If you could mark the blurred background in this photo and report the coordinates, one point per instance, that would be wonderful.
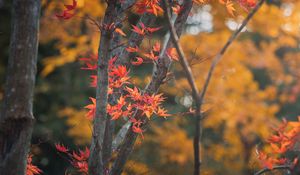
(254, 86)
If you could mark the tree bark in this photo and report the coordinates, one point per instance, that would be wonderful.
(16, 120)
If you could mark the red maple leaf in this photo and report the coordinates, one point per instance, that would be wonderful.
(92, 109)
(30, 168)
(120, 71)
(61, 148)
(156, 47)
(151, 56)
(172, 54)
(151, 29)
(132, 49)
(162, 112)
(90, 62)
(150, 6)
(140, 31)
(134, 93)
(138, 61)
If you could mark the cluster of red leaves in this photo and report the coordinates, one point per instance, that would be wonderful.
(79, 160)
(150, 6)
(66, 14)
(31, 169)
(118, 75)
(133, 99)
(286, 138)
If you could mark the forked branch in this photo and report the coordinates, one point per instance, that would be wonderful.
(198, 98)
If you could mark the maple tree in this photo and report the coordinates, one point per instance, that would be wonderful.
(116, 76)
(135, 45)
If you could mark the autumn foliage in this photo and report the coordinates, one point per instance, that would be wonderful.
(126, 98)
(286, 139)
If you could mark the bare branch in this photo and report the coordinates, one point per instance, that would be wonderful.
(188, 71)
(182, 59)
(219, 56)
(184, 63)
(121, 135)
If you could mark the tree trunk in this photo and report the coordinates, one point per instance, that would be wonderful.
(16, 120)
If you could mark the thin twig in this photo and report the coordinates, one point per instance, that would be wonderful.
(195, 93)
(182, 59)
(280, 167)
(219, 56)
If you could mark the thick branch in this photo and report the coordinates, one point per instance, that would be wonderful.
(109, 124)
(134, 41)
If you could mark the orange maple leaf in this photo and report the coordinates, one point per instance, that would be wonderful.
(230, 8)
(151, 56)
(30, 168)
(132, 49)
(152, 29)
(140, 31)
(172, 54)
(156, 47)
(120, 31)
(92, 109)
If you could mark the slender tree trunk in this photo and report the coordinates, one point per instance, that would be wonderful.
(100, 153)
(158, 76)
(16, 120)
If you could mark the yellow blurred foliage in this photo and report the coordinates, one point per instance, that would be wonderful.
(72, 38)
(79, 126)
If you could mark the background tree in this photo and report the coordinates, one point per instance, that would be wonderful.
(16, 120)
